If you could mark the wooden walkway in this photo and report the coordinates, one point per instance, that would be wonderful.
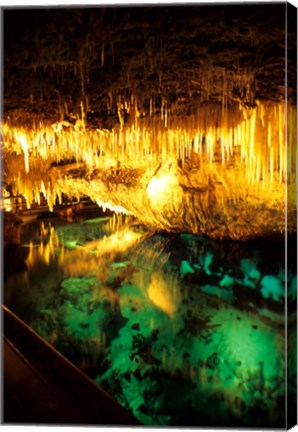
(42, 387)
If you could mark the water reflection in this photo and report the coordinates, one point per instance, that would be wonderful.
(179, 329)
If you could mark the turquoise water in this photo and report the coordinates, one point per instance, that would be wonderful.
(181, 330)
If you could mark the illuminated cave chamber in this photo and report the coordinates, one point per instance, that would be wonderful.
(175, 115)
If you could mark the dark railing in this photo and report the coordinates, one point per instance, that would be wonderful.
(43, 387)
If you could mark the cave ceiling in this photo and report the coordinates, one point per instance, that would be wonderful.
(185, 56)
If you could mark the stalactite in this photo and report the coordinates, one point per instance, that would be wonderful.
(82, 77)
(102, 57)
(252, 141)
(112, 50)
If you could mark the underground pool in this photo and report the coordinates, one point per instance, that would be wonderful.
(179, 329)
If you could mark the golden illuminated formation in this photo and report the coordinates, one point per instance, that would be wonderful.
(221, 170)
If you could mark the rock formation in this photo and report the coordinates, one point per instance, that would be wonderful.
(179, 115)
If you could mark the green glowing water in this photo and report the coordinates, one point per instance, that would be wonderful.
(179, 329)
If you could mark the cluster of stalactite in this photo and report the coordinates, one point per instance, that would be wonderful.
(222, 171)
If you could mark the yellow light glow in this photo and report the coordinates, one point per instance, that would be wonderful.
(6, 202)
(163, 293)
(114, 208)
(100, 252)
(43, 252)
(254, 140)
(252, 131)
(25, 149)
(160, 188)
